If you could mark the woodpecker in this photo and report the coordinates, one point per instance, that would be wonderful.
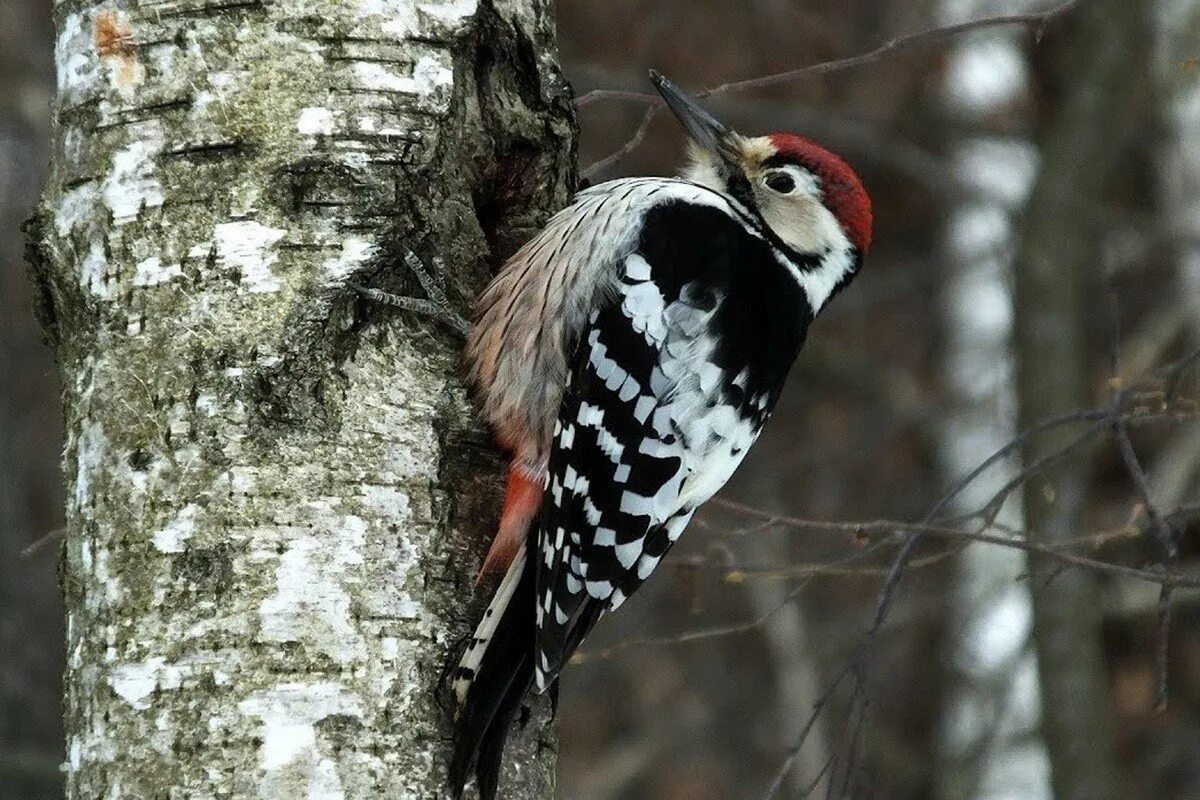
(628, 357)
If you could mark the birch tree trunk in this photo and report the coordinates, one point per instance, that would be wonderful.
(278, 493)
(1056, 264)
(1175, 473)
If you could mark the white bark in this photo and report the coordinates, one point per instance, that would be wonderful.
(986, 745)
(276, 492)
(1179, 35)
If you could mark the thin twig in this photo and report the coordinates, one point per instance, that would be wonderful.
(1037, 22)
(1166, 538)
(1176, 375)
(37, 544)
(1161, 530)
(736, 572)
(794, 750)
(638, 135)
(1056, 553)
(1099, 420)
(1133, 467)
(720, 630)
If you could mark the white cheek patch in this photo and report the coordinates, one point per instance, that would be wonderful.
(801, 219)
(818, 233)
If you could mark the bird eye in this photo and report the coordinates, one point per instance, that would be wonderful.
(781, 182)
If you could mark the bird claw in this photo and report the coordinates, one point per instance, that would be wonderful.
(434, 305)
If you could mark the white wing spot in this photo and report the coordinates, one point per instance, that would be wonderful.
(629, 389)
(644, 306)
(599, 589)
(590, 415)
(646, 565)
(628, 553)
(643, 407)
(591, 512)
(637, 268)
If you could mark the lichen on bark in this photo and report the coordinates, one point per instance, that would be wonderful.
(277, 493)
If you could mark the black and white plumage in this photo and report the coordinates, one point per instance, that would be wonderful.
(631, 354)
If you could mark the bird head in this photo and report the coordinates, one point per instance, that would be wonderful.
(810, 198)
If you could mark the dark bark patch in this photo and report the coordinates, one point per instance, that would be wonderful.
(525, 165)
(39, 266)
(207, 572)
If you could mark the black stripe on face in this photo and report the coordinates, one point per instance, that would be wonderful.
(737, 186)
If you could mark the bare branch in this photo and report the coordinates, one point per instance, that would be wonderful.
(1176, 373)
(1116, 415)
(31, 549)
(624, 150)
(1166, 538)
(717, 631)
(1037, 22)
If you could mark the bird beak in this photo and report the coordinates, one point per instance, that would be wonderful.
(702, 127)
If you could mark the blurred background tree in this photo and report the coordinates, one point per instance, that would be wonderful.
(1037, 195)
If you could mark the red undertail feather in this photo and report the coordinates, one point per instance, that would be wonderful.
(521, 502)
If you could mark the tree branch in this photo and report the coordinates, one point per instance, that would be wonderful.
(1037, 22)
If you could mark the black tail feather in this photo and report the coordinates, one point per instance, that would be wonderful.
(491, 749)
(496, 693)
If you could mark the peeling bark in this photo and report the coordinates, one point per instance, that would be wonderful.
(277, 493)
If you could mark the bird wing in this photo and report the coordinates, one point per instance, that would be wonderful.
(671, 381)
(530, 318)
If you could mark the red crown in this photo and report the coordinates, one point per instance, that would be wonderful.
(844, 194)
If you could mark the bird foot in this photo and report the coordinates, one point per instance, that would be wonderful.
(434, 305)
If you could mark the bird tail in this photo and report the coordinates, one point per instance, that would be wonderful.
(493, 678)
(522, 499)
